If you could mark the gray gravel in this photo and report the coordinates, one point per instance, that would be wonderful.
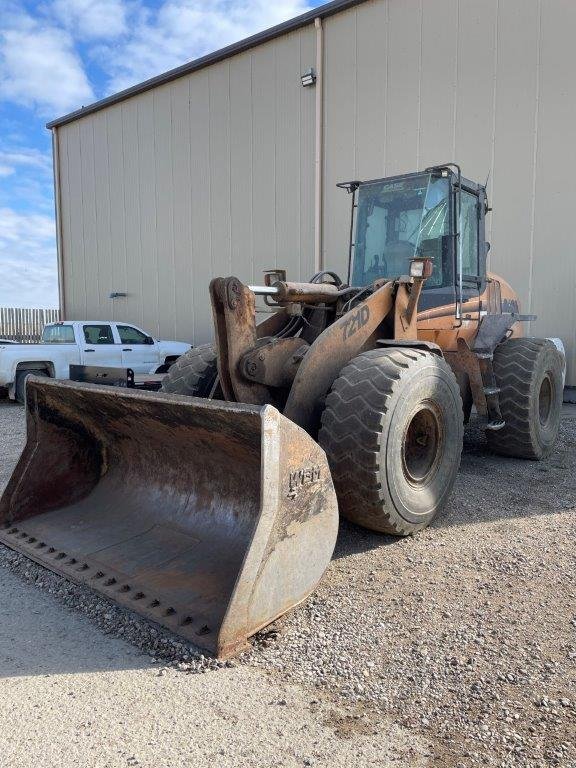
(464, 635)
(72, 697)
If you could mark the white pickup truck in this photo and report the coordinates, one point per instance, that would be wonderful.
(86, 342)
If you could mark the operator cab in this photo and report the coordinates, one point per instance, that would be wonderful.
(414, 216)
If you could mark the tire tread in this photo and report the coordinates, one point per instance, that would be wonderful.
(193, 373)
(515, 362)
(352, 432)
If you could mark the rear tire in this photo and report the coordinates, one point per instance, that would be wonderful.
(529, 374)
(193, 374)
(392, 430)
(20, 383)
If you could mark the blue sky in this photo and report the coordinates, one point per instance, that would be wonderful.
(57, 55)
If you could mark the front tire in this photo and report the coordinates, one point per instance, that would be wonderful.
(193, 374)
(392, 430)
(529, 374)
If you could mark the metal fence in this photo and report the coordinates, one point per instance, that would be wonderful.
(25, 325)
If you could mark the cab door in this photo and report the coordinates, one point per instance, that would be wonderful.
(471, 219)
(99, 346)
(139, 351)
(438, 303)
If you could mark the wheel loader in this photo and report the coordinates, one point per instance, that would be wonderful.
(212, 507)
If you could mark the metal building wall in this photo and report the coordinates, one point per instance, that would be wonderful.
(211, 174)
(486, 83)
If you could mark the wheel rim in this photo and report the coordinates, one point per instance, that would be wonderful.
(545, 398)
(421, 447)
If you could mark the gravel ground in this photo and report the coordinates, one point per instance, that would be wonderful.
(463, 636)
(89, 700)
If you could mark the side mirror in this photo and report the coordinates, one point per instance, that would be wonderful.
(149, 340)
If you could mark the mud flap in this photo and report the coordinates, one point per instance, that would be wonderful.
(211, 519)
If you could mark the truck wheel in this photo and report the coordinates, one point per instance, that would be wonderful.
(20, 383)
(193, 374)
(392, 430)
(529, 374)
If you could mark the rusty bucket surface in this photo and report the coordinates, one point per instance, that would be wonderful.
(209, 518)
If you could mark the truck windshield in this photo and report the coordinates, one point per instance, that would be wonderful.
(58, 334)
(397, 220)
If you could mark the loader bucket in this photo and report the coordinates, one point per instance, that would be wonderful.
(209, 518)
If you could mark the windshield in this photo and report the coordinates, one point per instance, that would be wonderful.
(58, 334)
(397, 220)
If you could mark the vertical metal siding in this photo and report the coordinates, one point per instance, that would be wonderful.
(304, 259)
(184, 321)
(438, 80)
(212, 174)
(476, 78)
(553, 281)
(200, 179)
(164, 208)
(106, 208)
(90, 232)
(371, 121)
(130, 209)
(146, 195)
(403, 52)
(286, 152)
(241, 166)
(219, 156)
(73, 246)
(513, 168)
(339, 135)
(110, 211)
(487, 84)
(264, 161)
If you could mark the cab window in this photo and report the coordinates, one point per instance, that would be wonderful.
(469, 222)
(98, 334)
(129, 335)
(58, 334)
(398, 220)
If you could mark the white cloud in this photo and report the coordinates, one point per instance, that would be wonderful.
(39, 67)
(92, 19)
(182, 30)
(32, 231)
(24, 158)
(27, 260)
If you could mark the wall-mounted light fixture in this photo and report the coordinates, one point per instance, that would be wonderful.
(308, 78)
(117, 295)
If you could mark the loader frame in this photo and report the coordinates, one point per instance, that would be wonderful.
(258, 371)
(214, 518)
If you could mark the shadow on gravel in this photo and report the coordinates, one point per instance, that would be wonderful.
(352, 539)
(492, 488)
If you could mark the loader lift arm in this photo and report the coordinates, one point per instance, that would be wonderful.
(289, 372)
